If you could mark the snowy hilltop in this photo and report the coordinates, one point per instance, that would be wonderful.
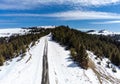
(102, 32)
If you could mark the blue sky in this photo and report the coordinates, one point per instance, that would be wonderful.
(83, 14)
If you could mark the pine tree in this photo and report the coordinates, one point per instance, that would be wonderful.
(73, 53)
(1, 60)
(83, 57)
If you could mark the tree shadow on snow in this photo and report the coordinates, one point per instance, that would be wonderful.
(72, 64)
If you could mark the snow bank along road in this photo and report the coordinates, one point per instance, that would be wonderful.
(22, 72)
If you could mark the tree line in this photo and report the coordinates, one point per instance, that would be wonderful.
(78, 42)
(13, 46)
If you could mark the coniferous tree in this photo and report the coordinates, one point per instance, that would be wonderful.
(1, 60)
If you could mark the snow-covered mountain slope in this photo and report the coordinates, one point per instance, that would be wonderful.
(46, 27)
(12, 31)
(103, 32)
(62, 69)
(6, 32)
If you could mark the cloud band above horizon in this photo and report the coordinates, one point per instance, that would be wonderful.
(31, 4)
(70, 15)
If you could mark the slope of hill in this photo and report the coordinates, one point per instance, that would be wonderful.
(112, 35)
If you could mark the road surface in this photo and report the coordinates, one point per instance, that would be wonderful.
(45, 74)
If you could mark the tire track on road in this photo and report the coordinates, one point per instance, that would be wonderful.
(45, 72)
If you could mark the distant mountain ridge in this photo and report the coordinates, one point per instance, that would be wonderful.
(49, 26)
(102, 32)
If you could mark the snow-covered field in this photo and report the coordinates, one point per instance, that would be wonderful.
(62, 70)
(10, 31)
(6, 32)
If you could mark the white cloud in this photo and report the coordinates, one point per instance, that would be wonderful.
(28, 4)
(98, 2)
(107, 22)
(83, 15)
(72, 15)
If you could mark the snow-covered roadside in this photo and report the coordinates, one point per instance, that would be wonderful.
(107, 75)
(62, 70)
(23, 72)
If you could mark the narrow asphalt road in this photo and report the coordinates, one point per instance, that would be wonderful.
(45, 72)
